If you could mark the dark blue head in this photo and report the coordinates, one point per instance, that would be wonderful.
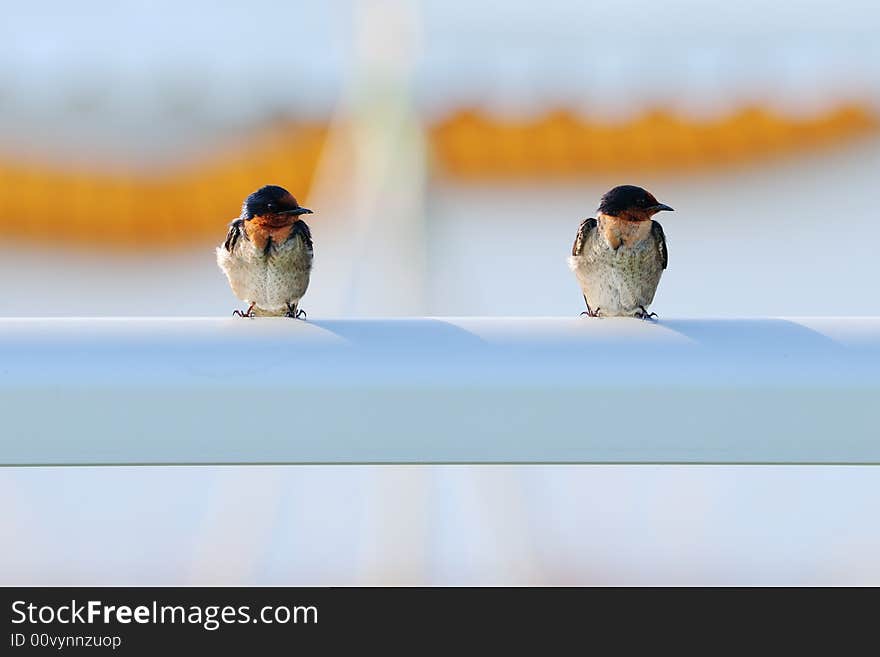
(630, 201)
(269, 201)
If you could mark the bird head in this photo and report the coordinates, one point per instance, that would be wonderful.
(272, 205)
(631, 203)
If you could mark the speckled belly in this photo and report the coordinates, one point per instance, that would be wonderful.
(619, 282)
(272, 280)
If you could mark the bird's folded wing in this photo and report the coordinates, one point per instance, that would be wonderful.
(300, 228)
(580, 239)
(660, 239)
(236, 230)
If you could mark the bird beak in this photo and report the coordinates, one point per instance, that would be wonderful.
(297, 211)
(660, 207)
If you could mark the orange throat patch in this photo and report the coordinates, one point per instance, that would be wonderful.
(626, 230)
(261, 229)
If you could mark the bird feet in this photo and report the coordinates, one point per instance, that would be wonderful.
(591, 313)
(296, 313)
(245, 313)
(644, 314)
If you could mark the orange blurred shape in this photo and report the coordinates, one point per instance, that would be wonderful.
(472, 145)
(193, 204)
(43, 203)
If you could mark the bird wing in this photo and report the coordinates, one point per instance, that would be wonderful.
(581, 238)
(660, 239)
(235, 232)
(300, 228)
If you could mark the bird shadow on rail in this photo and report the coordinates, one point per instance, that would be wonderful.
(757, 334)
(399, 334)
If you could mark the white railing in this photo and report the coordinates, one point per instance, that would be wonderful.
(217, 391)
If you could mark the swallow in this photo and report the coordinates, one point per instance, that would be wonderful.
(267, 254)
(619, 256)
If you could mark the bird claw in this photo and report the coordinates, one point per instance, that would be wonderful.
(249, 313)
(296, 313)
(644, 314)
(591, 313)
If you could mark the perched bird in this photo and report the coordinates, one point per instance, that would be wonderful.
(267, 254)
(619, 257)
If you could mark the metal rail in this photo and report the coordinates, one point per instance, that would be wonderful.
(475, 390)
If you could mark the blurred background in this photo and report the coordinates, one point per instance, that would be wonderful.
(449, 150)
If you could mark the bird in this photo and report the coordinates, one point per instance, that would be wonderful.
(619, 257)
(267, 254)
